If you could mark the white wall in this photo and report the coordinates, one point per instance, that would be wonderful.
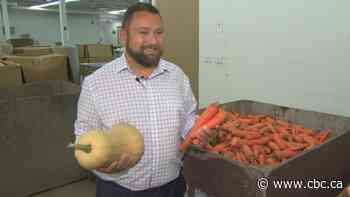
(293, 53)
(44, 26)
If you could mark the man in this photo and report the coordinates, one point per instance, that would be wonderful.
(148, 92)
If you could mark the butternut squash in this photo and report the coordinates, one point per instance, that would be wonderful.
(99, 148)
(94, 149)
(127, 139)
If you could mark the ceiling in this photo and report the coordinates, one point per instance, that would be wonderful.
(82, 5)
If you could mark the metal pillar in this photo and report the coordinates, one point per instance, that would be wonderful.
(63, 23)
(5, 17)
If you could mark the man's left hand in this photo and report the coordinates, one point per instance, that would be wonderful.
(205, 135)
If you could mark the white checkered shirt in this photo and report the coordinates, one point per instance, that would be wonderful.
(162, 107)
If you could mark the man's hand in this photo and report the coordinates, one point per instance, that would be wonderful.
(205, 135)
(119, 165)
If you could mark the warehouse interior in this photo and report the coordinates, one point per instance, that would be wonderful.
(287, 59)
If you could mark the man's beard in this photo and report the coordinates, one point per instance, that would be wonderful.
(143, 59)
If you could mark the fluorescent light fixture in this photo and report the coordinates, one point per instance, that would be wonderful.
(41, 6)
(117, 12)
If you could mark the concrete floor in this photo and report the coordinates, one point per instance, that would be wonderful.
(84, 188)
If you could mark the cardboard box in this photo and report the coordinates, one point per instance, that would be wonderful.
(71, 52)
(20, 42)
(218, 176)
(46, 67)
(95, 59)
(99, 50)
(82, 50)
(5, 49)
(83, 60)
(88, 68)
(10, 75)
(32, 51)
(60, 50)
(99, 59)
(36, 124)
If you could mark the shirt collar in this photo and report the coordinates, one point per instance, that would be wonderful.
(122, 65)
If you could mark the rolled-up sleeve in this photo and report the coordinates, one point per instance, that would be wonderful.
(191, 108)
(87, 116)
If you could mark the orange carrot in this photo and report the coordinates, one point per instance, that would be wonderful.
(242, 157)
(322, 135)
(247, 151)
(279, 141)
(239, 157)
(309, 132)
(310, 140)
(282, 123)
(298, 138)
(294, 131)
(228, 154)
(273, 146)
(272, 128)
(247, 120)
(297, 146)
(252, 135)
(232, 115)
(269, 119)
(260, 141)
(219, 148)
(271, 161)
(208, 114)
(195, 142)
(219, 118)
(228, 125)
(264, 130)
(287, 136)
(267, 149)
(262, 159)
(234, 141)
(261, 116)
(257, 150)
(238, 132)
(256, 126)
(285, 154)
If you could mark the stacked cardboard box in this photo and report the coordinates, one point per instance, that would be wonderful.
(10, 74)
(32, 51)
(44, 67)
(71, 52)
(6, 48)
(95, 53)
(36, 123)
(20, 42)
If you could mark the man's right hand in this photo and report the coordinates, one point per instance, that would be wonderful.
(119, 165)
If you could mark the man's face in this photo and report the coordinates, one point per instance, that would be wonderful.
(144, 38)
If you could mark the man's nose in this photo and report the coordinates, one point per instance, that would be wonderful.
(152, 38)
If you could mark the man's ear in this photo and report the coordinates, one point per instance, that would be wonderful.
(123, 34)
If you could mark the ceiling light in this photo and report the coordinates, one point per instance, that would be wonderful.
(117, 12)
(41, 6)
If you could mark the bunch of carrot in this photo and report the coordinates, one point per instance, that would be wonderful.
(252, 139)
(211, 117)
(262, 139)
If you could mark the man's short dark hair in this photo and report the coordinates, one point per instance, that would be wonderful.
(138, 7)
